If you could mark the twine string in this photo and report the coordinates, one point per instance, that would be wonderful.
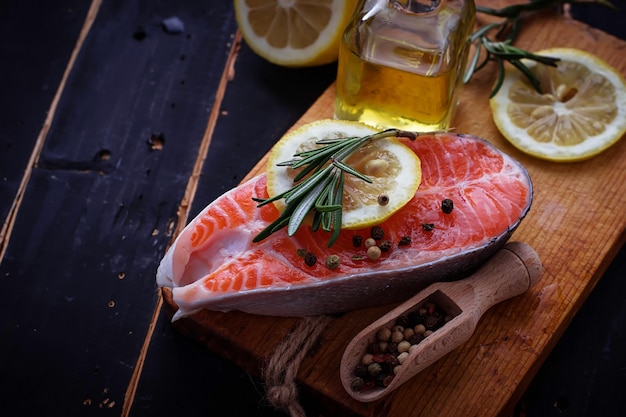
(282, 368)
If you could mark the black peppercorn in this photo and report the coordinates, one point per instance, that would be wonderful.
(360, 371)
(430, 322)
(428, 226)
(447, 205)
(416, 338)
(385, 245)
(357, 241)
(310, 259)
(377, 233)
(405, 241)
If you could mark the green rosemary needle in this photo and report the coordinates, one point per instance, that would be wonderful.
(318, 186)
(501, 49)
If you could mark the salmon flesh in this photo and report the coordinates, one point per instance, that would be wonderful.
(213, 264)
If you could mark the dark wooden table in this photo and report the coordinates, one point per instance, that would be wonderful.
(105, 116)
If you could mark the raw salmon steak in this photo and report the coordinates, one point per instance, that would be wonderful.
(214, 264)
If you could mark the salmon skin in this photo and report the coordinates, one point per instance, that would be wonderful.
(213, 264)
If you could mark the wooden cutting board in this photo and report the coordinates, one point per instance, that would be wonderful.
(576, 225)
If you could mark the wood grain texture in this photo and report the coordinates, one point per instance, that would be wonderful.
(576, 226)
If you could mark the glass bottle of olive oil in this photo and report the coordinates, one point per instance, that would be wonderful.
(401, 63)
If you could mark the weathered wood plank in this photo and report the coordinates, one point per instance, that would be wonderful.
(101, 203)
(31, 69)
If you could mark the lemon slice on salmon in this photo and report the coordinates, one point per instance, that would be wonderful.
(581, 112)
(394, 169)
(294, 33)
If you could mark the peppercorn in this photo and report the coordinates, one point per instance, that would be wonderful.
(397, 336)
(377, 233)
(430, 322)
(302, 252)
(383, 200)
(374, 368)
(416, 338)
(408, 333)
(404, 346)
(391, 361)
(447, 205)
(369, 242)
(399, 327)
(394, 344)
(419, 329)
(383, 334)
(385, 245)
(387, 380)
(310, 259)
(332, 261)
(402, 357)
(356, 384)
(373, 252)
(405, 241)
(360, 370)
(428, 227)
(357, 240)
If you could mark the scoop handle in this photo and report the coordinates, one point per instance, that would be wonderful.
(508, 273)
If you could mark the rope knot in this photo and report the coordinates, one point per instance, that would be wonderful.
(282, 367)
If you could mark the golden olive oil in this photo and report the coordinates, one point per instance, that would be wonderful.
(401, 67)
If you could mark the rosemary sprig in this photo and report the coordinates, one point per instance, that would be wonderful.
(501, 49)
(318, 187)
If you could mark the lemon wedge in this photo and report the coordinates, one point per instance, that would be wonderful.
(581, 112)
(394, 169)
(294, 33)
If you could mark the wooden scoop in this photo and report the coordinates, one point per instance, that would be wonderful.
(508, 273)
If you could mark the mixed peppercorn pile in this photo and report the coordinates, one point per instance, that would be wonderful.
(393, 344)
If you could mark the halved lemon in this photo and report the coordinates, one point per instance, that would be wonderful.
(294, 33)
(581, 112)
(394, 169)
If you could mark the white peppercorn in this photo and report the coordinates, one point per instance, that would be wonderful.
(374, 252)
(383, 334)
(419, 328)
(403, 346)
(397, 336)
(369, 242)
(408, 333)
(367, 359)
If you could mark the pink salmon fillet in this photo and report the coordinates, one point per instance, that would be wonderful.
(213, 264)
